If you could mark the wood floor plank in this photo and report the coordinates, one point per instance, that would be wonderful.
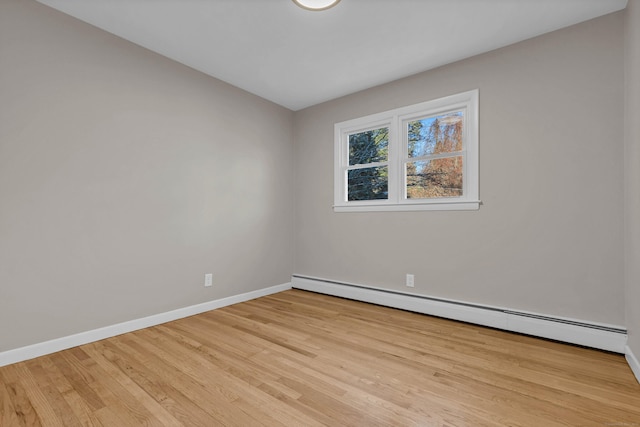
(121, 400)
(72, 402)
(57, 402)
(227, 385)
(242, 373)
(36, 396)
(8, 414)
(493, 370)
(25, 413)
(157, 380)
(136, 393)
(298, 358)
(79, 381)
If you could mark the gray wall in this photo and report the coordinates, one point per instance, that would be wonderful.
(549, 237)
(632, 173)
(124, 177)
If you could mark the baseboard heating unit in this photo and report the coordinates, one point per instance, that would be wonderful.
(596, 335)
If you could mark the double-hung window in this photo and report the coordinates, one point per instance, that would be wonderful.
(420, 157)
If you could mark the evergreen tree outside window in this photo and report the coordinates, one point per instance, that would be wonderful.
(420, 157)
(368, 172)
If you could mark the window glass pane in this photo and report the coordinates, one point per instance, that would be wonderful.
(368, 183)
(435, 135)
(434, 178)
(369, 147)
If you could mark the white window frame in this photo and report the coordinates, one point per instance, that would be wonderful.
(396, 120)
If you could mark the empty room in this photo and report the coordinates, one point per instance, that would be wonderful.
(319, 213)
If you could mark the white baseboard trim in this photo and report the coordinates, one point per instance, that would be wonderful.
(589, 334)
(633, 362)
(59, 344)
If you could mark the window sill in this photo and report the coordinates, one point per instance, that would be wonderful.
(467, 205)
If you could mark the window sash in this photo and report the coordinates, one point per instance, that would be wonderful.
(406, 159)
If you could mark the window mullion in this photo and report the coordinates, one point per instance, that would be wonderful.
(402, 159)
(394, 167)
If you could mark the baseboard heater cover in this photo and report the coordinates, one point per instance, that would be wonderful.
(596, 335)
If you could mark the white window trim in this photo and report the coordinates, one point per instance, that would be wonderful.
(395, 120)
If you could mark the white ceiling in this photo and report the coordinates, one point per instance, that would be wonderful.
(297, 58)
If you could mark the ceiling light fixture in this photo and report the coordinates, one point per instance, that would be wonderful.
(316, 4)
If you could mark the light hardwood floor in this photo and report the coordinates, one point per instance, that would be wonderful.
(303, 359)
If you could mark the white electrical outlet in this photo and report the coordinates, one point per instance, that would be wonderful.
(410, 280)
(208, 279)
